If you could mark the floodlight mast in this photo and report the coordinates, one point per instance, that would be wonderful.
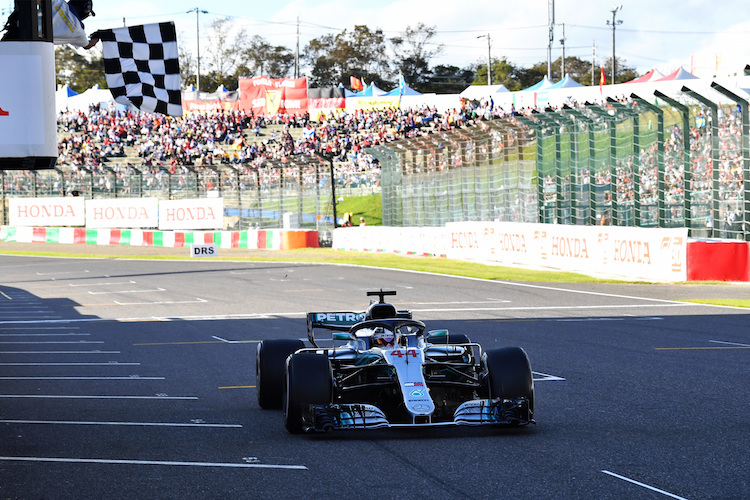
(614, 25)
(489, 57)
(198, 47)
(551, 23)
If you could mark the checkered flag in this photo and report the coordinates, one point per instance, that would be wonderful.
(142, 67)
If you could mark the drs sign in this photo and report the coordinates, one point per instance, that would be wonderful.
(207, 250)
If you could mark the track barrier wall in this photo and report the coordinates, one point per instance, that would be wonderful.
(262, 239)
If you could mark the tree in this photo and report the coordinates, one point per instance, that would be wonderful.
(80, 72)
(503, 73)
(413, 50)
(447, 80)
(624, 72)
(360, 52)
(226, 46)
(265, 59)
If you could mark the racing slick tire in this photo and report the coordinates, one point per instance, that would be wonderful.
(509, 374)
(270, 357)
(308, 380)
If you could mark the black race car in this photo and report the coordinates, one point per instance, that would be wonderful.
(381, 368)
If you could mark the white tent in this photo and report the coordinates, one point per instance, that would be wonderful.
(474, 92)
(94, 95)
(61, 97)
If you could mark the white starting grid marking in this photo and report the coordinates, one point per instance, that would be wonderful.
(106, 363)
(59, 352)
(134, 424)
(129, 377)
(60, 396)
(152, 462)
(643, 485)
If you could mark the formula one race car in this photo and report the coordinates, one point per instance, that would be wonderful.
(383, 369)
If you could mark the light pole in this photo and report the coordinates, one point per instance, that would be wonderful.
(489, 57)
(551, 23)
(614, 25)
(198, 46)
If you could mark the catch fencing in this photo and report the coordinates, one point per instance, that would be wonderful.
(664, 162)
(294, 193)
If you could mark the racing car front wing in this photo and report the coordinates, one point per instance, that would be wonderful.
(498, 411)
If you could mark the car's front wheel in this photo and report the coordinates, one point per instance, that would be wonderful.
(508, 375)
(270, 357)
(308, 380)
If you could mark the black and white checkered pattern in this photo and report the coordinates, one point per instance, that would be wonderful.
(142, 67)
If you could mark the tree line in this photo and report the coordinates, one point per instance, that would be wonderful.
(229, 53)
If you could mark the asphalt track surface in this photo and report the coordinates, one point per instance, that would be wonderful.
(135, 379)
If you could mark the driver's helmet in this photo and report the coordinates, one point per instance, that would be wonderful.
(383, 337)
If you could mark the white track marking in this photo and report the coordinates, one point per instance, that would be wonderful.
(106, 363)
(43, 334)
(62, 272)
(729, 343)
(544, 377)
(159, 289)
(133, 378)
(56, 342)
(129, 282)
(151, 462)
(59, 352)
(61, 396)
(643, 485)
(196, 301)
(134, 424)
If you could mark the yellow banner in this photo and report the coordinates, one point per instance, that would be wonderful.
(368, 103)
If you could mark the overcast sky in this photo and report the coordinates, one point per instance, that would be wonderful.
(711, 37)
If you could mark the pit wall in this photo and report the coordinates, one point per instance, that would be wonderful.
(268, 239)
(638, 254)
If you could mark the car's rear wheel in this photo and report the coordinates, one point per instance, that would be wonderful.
(308, 380)
(270, 357)
(509, 374)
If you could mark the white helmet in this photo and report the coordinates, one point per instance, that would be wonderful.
(383, 337)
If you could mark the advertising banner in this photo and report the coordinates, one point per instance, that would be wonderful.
(645, 254)
(122, 212)
(210, 105)
(203, 213)
(25, 212)
(268, 96)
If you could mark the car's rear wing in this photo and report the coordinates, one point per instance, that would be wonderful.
(338, 321)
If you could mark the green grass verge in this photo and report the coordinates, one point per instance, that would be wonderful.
(722, 302)
(370, 207)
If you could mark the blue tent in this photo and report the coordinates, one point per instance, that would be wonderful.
(371, 91)
(67, 91)
(565, 83)
(406, 91)
(542, 84)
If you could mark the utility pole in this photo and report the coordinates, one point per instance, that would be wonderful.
(614, 25)
(296, 53)
(562, 42)
(551, 23)
(593, 62)
(198, 47)
(489, 57)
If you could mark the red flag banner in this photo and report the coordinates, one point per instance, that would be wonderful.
(356, 84)
(602, 80)
(268, 96)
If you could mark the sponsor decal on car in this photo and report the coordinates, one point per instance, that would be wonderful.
(414, 384)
